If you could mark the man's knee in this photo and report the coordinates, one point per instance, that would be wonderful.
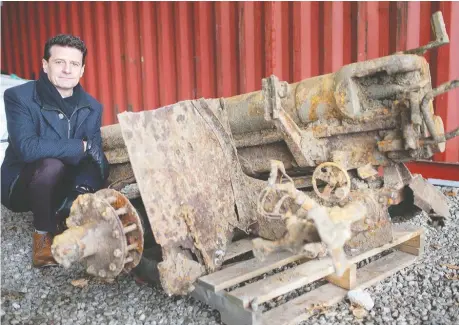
(48, 171)
(88, 173)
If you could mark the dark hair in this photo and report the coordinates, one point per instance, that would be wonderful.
(65, 40)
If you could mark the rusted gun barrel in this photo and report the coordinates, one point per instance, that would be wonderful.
(374, 112)
(201, 166)
(371, 112)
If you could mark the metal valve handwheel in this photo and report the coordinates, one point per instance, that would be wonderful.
(336, 179)
(279, 185)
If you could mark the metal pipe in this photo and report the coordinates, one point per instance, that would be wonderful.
(130, 228)
(425, 108)
(75, 244)
(443, 138)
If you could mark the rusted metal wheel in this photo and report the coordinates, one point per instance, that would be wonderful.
(104, 233)
(336, 180)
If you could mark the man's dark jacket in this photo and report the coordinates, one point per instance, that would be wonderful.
(37, 130)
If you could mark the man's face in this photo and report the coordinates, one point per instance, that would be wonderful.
(64, 67)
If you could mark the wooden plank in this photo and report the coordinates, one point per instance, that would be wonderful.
(347, 281)
(231, 305)
(383, 268)
(296, 310)
(303, 274)
(246, 270)
(413, 246)
(414, 242)
(238, 248)
(400, 234)
(409, 249)
(282, 282)
(230, 313)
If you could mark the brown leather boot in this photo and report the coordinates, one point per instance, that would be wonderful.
(42, 255)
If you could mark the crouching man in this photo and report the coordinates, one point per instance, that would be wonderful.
(54, 148)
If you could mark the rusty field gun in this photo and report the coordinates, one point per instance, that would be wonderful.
(294, 166)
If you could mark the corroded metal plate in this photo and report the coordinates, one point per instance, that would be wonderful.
(184, 179)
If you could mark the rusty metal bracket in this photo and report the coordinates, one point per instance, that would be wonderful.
(441, 36)
(296, 139)
(348, 92)
(273, 92)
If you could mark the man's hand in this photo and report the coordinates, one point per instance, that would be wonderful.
(96, 153)
(85, 145)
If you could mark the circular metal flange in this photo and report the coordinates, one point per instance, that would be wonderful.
(105, 234)
(132, 226)
(91, 223)
(336, 179)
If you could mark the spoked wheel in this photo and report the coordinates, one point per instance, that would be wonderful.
(336, 180)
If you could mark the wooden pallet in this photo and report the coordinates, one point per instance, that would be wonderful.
(236, 306)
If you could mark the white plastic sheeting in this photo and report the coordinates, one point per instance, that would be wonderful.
(5, 83)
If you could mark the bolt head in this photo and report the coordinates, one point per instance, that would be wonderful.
(90, 269)
(102, 273)
(112, 267)
(116, 234)
(117, 253)
(106, 214)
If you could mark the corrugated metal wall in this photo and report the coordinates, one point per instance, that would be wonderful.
(144, 55)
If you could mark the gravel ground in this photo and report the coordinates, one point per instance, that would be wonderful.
(425, 293)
